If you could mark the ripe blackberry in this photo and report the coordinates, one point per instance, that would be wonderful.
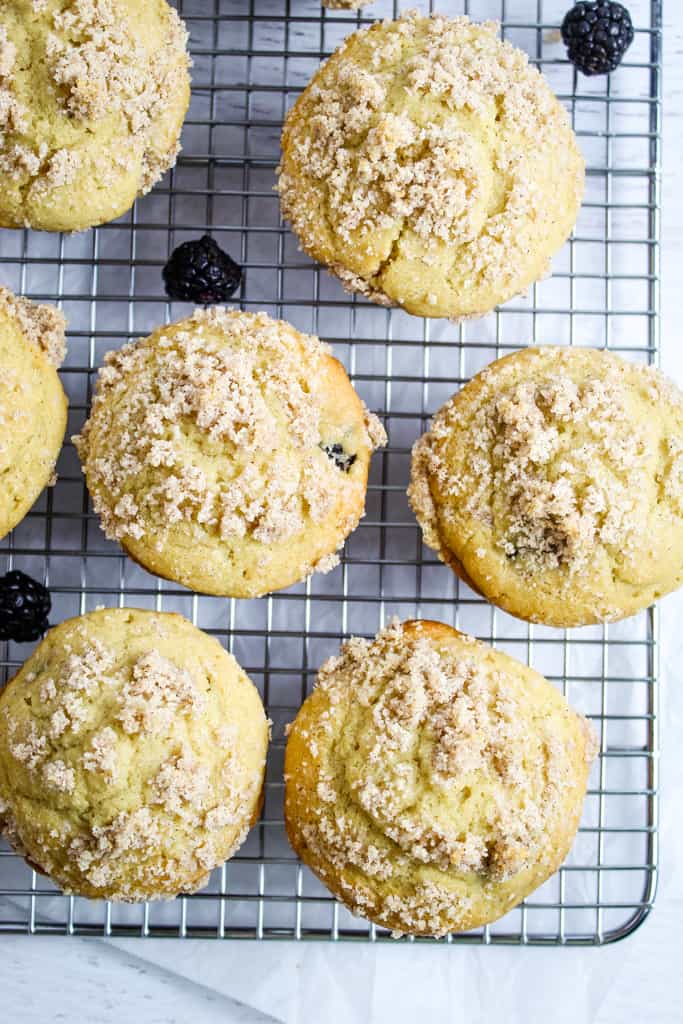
(199, 271)
(597, 35)
(24, 607)
(342, 460)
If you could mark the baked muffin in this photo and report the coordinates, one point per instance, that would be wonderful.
(553, 485)
(228, 452)
(429, 166)
(345, 5)
(431, 782)
(33, 405)
(132, 753)
(93, 94)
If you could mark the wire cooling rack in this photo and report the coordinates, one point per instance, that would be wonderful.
(252, 58)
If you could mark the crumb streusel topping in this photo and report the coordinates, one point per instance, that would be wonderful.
(345, 5)
(33, 406)
(427, 138)
(105, 77)
(432, 754)
(238, 388)
(100, 721)
(553, 464)
(564, 459)
(99, 67)
(43, 325)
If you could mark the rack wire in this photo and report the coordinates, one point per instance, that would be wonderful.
(252, 58)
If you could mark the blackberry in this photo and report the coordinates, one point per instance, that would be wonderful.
(201, 272)
(342, 460)
(24, 607)
(597, 35)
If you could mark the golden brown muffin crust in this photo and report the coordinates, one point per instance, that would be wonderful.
(132, 754)
(431, 782)
(205, 452)
(429, 166)
(92, 99)
(33, 406)
(553, 484)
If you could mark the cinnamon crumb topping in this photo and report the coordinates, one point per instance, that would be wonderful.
(155, 694)
(555, 464)
(100, 69)
(58, 776)
(8, 55)
(225, 384)
(434, 753)
(345, 5)
(327, 564)
(13, 115)
(183, 785)
(426, 131)
(31, 750)
(98, 856)
(101, 757)
(139, 723)
(42, 325)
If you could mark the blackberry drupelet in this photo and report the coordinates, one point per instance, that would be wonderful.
(597, 35)
(24, 607)
(200, 272)
(343, 460)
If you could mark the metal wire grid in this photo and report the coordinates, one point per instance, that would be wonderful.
(252, 57)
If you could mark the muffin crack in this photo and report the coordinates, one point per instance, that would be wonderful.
(554, 479)
(471, 724)
(89, 70)
(430, 780)
(433, 132)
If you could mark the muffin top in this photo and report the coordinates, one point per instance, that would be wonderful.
(228, 452)
(32, 402)
(433, 782)
(553, 483)
(92, 98)
(431, 167)
(132, 752)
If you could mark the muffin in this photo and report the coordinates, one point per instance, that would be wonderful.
(228, 452)
(428, 166)
(553, 485)
(93, 94)
(132, 753)
(431, 782)
(33, 405)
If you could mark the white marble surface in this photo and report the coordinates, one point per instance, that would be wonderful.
(151, 981)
